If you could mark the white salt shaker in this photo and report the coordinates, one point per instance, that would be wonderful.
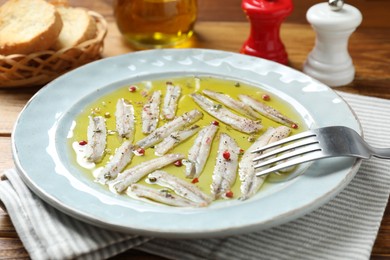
(329, 61)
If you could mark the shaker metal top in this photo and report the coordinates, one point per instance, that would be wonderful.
(336, 5)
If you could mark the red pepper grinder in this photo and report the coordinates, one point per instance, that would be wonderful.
(265, 17)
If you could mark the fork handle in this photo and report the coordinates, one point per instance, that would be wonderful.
(383, 153)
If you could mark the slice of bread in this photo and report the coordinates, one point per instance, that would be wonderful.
(28, 26)
(78, 27)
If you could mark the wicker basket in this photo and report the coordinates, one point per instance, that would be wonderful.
(21, 70)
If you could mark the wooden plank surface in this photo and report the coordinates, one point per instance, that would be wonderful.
(223, 26)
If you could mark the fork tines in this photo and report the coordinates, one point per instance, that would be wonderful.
(280, 166)
(285, 141)
(304, 143)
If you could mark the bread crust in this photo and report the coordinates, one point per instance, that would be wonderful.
(72, 35)
(42, 39)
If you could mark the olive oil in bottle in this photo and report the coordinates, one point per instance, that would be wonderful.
(155, 23)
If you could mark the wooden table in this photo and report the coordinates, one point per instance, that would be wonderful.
(222, 25)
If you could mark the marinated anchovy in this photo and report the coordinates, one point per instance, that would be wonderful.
(125, 119)
(174, 139)
(97, 139)
(150, 113)
(250, 183)
(180, 187)
(266, 110)
(239, 123)
(137, 172)
(179, 122)
(199, 152)
(225, 170)
(117, 163)
(246, 168)
(170, 101)
(162, 196)
(232, 103)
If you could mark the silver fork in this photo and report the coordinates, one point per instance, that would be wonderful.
(332, 141)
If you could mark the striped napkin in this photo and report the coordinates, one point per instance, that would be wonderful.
(344, 228)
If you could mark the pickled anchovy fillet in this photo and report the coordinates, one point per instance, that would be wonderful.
(283, 132)
(180, 187)
(125, 119)
(246, 170)
(250, 183)
(117, 163)
(137, 172)
(232, 103)
(225, 170)
(266, 110)
(151, 112)
(174, 139)
(170, 101)
(239, 123)
(179, 122)
(97, 139)
(162, 196)
(199, 152)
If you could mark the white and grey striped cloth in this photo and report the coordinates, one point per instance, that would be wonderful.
(344, 228)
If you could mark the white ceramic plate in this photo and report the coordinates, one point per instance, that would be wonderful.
(42, 155)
